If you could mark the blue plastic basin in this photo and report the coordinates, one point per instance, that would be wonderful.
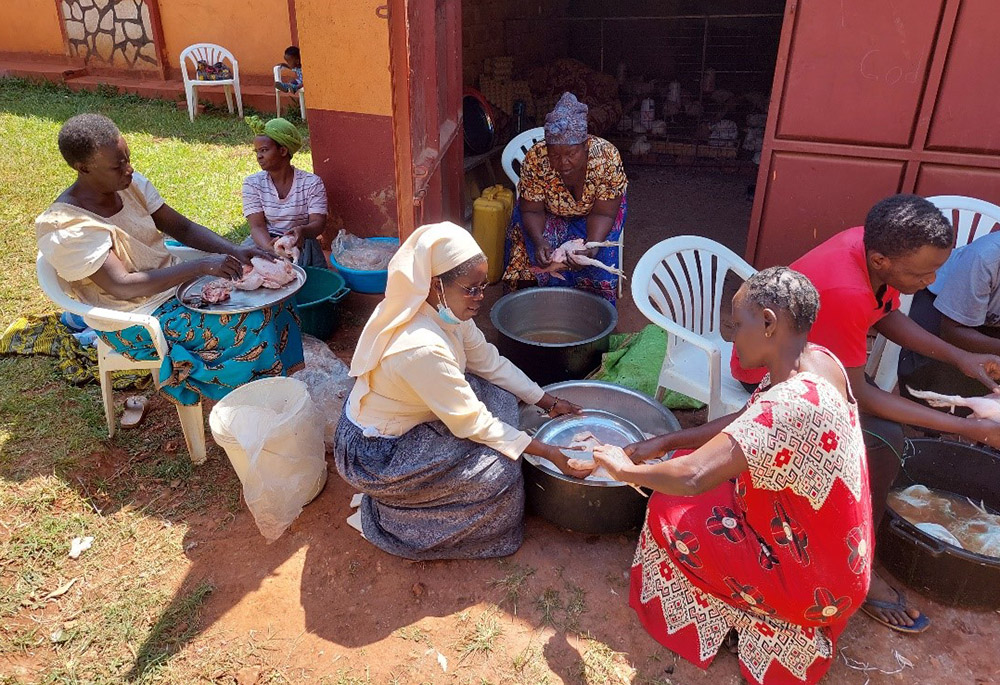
(364, 281)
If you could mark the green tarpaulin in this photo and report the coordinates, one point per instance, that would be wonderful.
(634, 361)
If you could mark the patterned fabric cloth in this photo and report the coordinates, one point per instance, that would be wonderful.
(519, 255)
(782, 554)
(46, 335)
(605, 179)
(209, 354)
(431, 495)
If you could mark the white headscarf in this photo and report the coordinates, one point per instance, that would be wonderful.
(429, 251)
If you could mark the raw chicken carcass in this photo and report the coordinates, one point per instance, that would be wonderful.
(216, 291)
(569, 254)
(987, 407)
(285, 247)
(266, 274)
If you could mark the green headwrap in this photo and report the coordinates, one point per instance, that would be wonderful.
(281, 131)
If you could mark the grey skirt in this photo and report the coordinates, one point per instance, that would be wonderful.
(431, 495)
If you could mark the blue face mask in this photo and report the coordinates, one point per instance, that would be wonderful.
(444, 311)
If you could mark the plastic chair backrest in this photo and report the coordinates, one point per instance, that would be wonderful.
(971, 218)
(209, 53)
(48, 279)
(279, 70)
(516, 150)
(682, 278)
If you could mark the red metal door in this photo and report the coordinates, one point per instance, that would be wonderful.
(871, 99)
(425, 49)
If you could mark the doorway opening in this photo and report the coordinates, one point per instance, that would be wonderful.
(681, 88)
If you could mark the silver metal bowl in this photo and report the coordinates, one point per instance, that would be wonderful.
(554, 334)
(591, 506)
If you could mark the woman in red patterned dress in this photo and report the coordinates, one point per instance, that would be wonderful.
(765, 528)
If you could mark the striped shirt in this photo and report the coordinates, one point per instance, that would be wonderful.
(306, 196)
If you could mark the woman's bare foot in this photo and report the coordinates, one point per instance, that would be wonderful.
(880, 591)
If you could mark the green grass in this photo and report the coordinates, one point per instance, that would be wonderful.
(122, 616)
(198, 168)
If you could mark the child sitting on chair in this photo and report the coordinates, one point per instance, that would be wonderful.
(293, 61)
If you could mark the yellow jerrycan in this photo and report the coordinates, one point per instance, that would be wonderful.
(490, 217)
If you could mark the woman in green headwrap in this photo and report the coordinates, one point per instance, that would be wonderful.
(284, 205)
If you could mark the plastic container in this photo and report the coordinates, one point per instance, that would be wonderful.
(317, 301)
(364, 281)
(490, 217)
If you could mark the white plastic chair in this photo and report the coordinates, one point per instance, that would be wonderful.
(192, 420)
(971, 219)
(678, 285)
(211, 54)
(278, 93)
(516, 151)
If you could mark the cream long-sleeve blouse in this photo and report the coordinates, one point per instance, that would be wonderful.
(421, 378)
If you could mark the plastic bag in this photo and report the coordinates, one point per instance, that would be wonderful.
(328, 383)
(360, 253)
(273, 434)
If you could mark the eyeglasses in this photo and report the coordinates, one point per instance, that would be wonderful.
(474, 291)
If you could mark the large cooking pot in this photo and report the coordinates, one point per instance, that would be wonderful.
(588, 506)
(944, 572)
(554, 334)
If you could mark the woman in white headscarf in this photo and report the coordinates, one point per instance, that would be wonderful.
(428, 431)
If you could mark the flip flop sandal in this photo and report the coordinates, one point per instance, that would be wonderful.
(135, 411)
(920, 623)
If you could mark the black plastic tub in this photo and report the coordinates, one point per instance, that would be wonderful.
(943, 572)
(554, 334)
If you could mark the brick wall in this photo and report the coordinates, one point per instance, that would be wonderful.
(531, 31)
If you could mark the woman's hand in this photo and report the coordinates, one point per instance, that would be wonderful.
(222, 265)
(614, 460)
(574, 266)
(554, 454)
(245, 254)
(299, 233)
(543, 252)
(574, 468)
(653, 448)
(556, 406)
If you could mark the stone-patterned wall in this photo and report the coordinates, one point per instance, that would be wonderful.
(116, 33)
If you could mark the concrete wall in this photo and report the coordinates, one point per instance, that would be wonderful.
(30, 26)
(255, 31)
(527, 30)
(345, 58)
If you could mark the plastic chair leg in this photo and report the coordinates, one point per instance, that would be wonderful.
(277, 102)
(193, 425)
(229, 97)
(192, 101)
(302, 105)
(108, 397)
(239, 99)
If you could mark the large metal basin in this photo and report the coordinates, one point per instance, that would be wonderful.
(591, 506)
(554, 334)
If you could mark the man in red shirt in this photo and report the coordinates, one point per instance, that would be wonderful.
(860, 274)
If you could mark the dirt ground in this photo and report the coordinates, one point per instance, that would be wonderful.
(322, 605)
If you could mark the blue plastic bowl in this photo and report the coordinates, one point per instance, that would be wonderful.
(364, 281)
